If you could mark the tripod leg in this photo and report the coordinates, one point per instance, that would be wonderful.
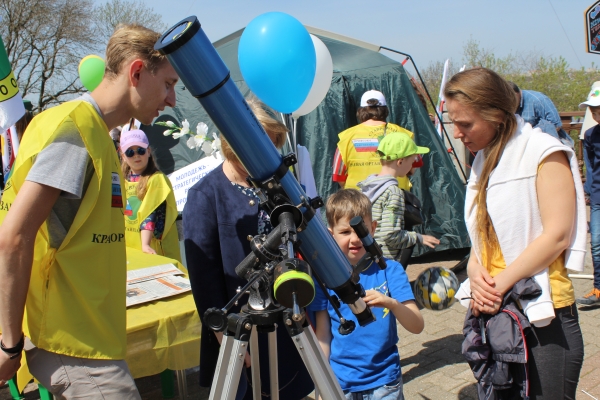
(273, 367)
(229, 368)
(255, 359)
(316, 364)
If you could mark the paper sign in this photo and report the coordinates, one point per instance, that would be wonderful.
(183, 179)
(592, 28)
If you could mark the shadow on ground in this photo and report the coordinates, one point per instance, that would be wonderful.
(588, 308)
(468, 392)
(443, 351)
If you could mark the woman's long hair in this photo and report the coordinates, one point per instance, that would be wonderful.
(488, 94)
(150, 169)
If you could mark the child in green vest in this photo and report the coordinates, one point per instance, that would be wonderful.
(150, 211)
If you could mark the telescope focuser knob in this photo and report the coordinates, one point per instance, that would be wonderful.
(216, 319)
(317, 202)
(290, 159)
(347, 326)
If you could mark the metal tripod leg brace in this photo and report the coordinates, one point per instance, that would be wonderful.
(233, 350)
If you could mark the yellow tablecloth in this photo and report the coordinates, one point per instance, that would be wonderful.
(161, 334)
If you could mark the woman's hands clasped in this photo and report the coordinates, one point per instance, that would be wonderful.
(485, 297)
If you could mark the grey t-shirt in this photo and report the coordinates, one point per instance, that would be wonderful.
(64, 164)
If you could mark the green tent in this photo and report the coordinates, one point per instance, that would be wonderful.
(358, 67)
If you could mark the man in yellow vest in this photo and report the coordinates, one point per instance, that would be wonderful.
(62, 247)
(356, 155)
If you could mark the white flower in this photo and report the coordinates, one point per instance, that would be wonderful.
(207, 147)
(201, 129)
(216, 147)
(167, 132)
(177, 135)
(185, 127)
(216, 143)
(194, 142)
(171, 124)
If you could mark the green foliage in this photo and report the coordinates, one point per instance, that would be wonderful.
(566, 86)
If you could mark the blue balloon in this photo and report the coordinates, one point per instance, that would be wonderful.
(278, 61)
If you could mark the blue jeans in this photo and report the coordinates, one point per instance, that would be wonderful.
(393, 391)
(595, 234)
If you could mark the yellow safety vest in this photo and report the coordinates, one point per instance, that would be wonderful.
(358, 148)
(136, 211)
(76, 299)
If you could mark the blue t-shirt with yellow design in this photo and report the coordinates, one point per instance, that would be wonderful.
(368, 357)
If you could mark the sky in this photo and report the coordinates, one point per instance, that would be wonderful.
(428, 30)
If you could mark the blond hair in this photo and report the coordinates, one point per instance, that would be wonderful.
(493, 98)
(129, 42)
(347, 203)
(276, 130)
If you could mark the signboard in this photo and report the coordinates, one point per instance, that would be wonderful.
(592, 28)
(183, 179)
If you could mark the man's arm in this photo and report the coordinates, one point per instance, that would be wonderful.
(30, 209)
(545, 109)
(340, 171)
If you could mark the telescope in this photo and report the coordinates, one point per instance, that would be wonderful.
(207, 78)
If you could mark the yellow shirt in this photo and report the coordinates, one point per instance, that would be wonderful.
(560, 284)
(358, 149)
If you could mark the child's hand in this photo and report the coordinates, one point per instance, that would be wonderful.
(148, 249)
(378, 299)
(430, 241)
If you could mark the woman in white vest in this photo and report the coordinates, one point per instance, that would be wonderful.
(519, 179)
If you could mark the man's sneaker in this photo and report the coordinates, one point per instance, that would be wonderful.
(592, 297)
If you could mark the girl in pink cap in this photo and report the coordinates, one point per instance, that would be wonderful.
(151, 210)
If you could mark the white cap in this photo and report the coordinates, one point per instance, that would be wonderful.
(372, 94)
(593, 98)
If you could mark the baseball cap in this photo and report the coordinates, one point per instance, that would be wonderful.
(398, 145)
(134, 137)
(593, 98)
(373, 94)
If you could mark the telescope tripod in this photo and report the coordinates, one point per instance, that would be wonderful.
(242, 329)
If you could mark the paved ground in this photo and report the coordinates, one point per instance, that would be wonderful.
(432, 366)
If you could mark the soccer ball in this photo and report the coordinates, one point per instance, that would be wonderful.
(435, 288)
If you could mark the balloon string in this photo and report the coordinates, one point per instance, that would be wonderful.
(295, 137)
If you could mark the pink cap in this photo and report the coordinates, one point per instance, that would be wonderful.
(134, 137)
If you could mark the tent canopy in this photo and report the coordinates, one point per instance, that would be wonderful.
(358, 67)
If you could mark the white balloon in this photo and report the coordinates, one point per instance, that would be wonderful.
(321, 82)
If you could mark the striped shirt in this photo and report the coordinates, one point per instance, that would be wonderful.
(388, 211)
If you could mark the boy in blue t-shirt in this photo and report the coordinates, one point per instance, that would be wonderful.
(366, 362)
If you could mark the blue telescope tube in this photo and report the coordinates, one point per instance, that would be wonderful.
(206, 76)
